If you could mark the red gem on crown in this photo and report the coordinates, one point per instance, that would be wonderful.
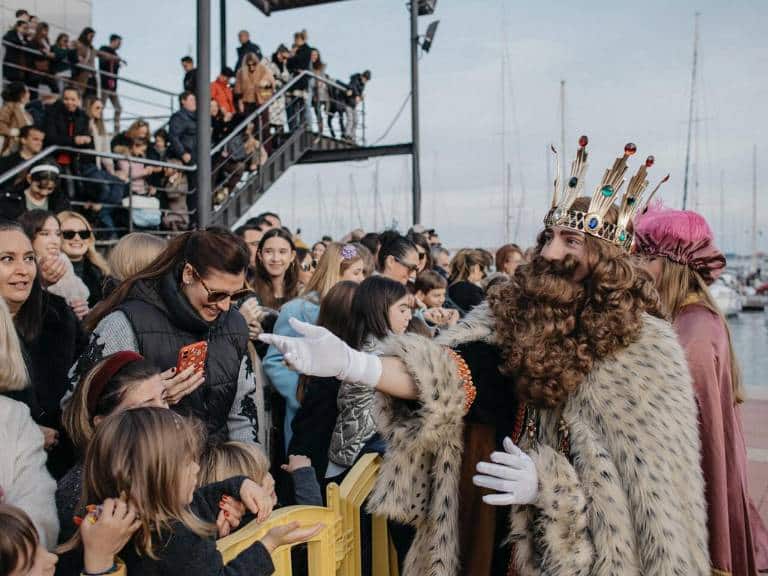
(630, 149)
(583, 141)
(649, 161)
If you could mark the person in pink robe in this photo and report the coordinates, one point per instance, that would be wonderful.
(678, 250)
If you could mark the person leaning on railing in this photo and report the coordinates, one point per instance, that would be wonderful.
(15, 58)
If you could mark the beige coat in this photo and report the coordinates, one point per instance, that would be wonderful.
(255, 87)
(13, 117)
(628, 501)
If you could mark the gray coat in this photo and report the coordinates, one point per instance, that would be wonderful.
(182, 133)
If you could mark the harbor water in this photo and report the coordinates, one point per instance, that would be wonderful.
(750, 340)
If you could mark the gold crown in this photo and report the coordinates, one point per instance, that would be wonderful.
(593, 221)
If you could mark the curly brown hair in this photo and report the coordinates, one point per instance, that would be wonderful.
(552, 329)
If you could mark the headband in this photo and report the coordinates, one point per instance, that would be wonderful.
(44, 168)
(111, 366)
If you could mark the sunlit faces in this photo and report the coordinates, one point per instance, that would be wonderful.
(75, 238)
(71, 100)
(47, 241)
(560, 242)
(355, 273)
(276, 256)
(197, 289)
(512, 261)
(399, 315)
(17, 268)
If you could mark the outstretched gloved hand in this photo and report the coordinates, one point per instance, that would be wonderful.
(511, 473)
(322, 353)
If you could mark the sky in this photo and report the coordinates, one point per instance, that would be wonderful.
(627, 73)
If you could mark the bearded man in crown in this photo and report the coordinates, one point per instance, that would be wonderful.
(573, 389)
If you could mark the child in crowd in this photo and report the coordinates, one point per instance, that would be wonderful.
(157, 469)
(136, 172)
(430, 296)
(241, 459)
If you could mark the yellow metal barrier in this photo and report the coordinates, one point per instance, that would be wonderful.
(336, 550)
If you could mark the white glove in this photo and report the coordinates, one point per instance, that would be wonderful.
(322, 353)
(512, 474)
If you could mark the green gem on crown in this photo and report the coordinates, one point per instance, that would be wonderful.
(622, 236)
(607, 191)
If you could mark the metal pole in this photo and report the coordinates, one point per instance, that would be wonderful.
(416, 168)
(564, 163)
(203, 93)
(223, 32)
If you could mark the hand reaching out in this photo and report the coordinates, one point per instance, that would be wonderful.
(291, 533)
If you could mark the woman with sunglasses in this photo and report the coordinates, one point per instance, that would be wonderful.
(184, 297)
(79, 244)
(398, 257)
(42, 193)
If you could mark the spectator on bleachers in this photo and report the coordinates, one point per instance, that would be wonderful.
(66, 124)
(63, 57)
(190, 74)
(221, 91)
(355, 95)
(321, 98)
(13, 116)
(41, 63)
(254, 84)
(246, 47)
(42, 192)
(30, 144)
(15, 59)
(221, 125)
(159, 148)
(136, 173)
(57, 274)
(78, 242)
(278, 65)
(298, 62)
(109, 65)
(182, 129)
(32, 27)
(139, 129)
(25, 481)
(86, 61)
(184, 297)
(175, 186)
(51, 336)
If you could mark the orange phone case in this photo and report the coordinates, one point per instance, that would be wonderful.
(192, 355)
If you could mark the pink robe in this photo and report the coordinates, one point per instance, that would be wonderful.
(735, 529)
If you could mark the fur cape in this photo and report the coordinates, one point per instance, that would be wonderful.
(629, 500)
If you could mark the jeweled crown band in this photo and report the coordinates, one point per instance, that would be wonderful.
(592, 222)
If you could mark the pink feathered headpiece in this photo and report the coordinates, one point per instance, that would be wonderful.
(681, 236)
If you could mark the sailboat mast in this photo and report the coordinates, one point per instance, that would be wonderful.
(562, 128)
(754, 207)
(691, 104)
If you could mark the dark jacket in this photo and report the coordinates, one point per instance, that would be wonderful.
(163, 322)
(48, 358)
(111, 66)
(247, 48)
(61, 127)
(356, 89)
(465, 295)
(314, 422)
(300, 62)
(18, 182)
(182, 134)
(13, 203)
(13, 56)
(190, 81)
(93, 278)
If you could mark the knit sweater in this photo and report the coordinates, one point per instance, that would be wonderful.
(23, 477)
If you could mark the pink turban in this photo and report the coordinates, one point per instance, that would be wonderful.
(681, 236)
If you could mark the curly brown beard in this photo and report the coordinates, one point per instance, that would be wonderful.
(553, 329)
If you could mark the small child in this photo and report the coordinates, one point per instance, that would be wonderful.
(20, 548)
(157, 469)
(430, 291)
(242, 459)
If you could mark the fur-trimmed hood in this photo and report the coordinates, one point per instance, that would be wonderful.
(629, 500)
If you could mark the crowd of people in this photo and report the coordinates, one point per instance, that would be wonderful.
(51, 98)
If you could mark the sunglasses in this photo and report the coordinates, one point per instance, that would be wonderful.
(70, 234)
(215, 296)
(411, 267)
(422, 255)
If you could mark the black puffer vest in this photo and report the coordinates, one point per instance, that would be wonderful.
(164, 321)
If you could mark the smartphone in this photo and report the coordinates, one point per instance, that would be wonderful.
(192, 355)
